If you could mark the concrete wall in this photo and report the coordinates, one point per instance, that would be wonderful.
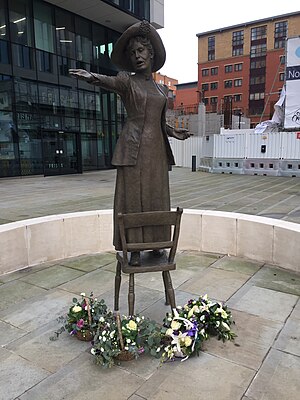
(30, 242)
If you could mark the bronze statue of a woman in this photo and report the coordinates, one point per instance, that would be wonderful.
(143, 153)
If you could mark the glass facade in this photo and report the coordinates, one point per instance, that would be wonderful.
(51, 123)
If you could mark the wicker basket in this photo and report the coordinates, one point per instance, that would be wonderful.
(125, 355)
(85, 336)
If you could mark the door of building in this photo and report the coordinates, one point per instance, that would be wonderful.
(61, 153)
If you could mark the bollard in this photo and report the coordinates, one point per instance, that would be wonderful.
(193, 163)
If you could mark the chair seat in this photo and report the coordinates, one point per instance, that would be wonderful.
(149, 263)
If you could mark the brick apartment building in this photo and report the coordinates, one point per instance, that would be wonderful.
(241, 67)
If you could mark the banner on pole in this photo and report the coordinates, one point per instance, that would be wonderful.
(292, 86)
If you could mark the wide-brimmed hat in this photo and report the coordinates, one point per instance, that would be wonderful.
(144, 29)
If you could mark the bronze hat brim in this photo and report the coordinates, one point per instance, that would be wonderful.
(119, 56)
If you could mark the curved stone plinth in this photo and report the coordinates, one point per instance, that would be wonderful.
(34, 241)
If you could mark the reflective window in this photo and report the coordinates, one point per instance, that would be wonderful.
(87, 104)
(260, 32)
(8, 150)
(68, 102)
(5, 93)
(4, 52)
(20, 22)
(26, 95)
(23, 56)
(48, 99)
(3, 21)
(43, 27)
(89, 151)
(44, 61)
(30, 148)
(65, 36)
(83, 40)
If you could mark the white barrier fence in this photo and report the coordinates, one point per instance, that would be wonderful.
(276, 151)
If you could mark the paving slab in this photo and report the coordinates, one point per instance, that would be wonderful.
(16, 291)
(17, 375)
(265, 303)
(237, 264)
(255, 336)
(9, 333)
(33, 313)
(206, 377)
(278, 378)
(88, 263)
(289, 338)
(278, 279)
(84, 380)
(98, 282)
(51, 277)
(49, 355)
(190, 260)
(216, 283)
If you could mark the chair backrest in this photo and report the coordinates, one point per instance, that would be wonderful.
(155, 218)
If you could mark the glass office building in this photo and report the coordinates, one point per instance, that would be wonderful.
(50, 123)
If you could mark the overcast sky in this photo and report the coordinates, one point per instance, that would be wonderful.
(185, 18)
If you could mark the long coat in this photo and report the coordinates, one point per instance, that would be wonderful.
(134, 99)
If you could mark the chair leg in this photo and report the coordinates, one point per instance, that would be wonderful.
(167, 302)
(131, 295)
(170, 290)
(117, 286)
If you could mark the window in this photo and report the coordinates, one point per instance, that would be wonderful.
(239, 51)
(211, 48)
(228, 84)
(5, 93)
(43, 27)
(84, 50)
(204, 86)
(260, 32)
(237, 98)
(205, 72)
(238, 82)
(213, 100)
(214, 85)
(237, 38)
(228, 68)
(257, 80)
(258, 50)
(282, 60)
(238, 67)
(281, 76)
(257, 96)
(22, 56)
(20, 22)
(280, 34)
(237, 43)
(214, 71)
(257, 64)
(4, 54)
(44, 61)
(3, 21)
(65, 36)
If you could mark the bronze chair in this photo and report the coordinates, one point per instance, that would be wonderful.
(149, 263)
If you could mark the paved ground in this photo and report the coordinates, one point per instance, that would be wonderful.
(262, 364)
(275, 197)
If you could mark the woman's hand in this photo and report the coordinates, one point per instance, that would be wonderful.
(80, 74)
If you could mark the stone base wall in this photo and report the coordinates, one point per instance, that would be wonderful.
(34, 241)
